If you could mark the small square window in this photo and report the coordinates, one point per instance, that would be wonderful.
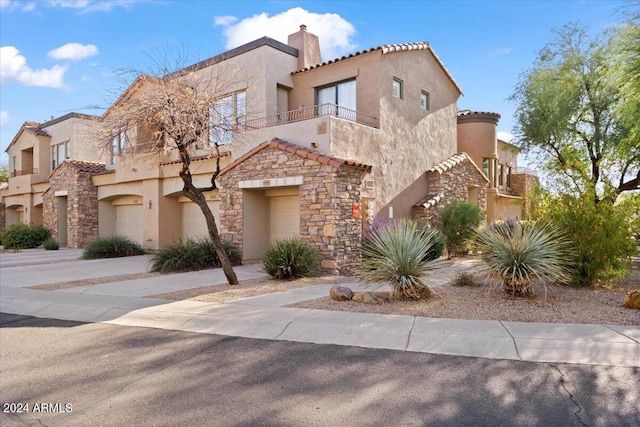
(424, 100)
(397, 88)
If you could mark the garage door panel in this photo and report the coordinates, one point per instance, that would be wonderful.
(193, 222)
(285, 217)
(129, 221)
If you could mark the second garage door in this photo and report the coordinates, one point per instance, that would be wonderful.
(285, 217)
(129, 221)
(193, 223)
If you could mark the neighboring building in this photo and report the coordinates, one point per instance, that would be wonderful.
(37, 150)
(319, 150)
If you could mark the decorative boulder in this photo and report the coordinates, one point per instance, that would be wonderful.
(632, 300)
(340, 293)
(368, 298)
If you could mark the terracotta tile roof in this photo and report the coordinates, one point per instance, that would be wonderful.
(452, 162)
(82, 166)
(306, 153)
(468, 115)
(430, 201)
(389, 48)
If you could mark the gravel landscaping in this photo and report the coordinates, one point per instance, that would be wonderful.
(601, 304)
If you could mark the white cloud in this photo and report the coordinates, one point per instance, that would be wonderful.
(29, 7)
(86, 6)
(4, 118)
(502, 51)
(333, 30)
(505, 136)
(73, 51)
(85, 78)
(224, 20)
(13, 66)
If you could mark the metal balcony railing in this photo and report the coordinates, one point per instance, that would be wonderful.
(312, 113)
(24, 172)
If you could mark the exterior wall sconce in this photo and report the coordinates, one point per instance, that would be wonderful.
(314, 195)
(150, 204)
(26, 209)
(229, 199)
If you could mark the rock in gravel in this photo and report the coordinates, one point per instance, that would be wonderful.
(368, 298)
(340, 293)
(632, 300)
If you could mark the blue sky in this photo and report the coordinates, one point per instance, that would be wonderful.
(60, 56)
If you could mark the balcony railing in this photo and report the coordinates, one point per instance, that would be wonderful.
(24, 172)
(312, 113)
(524, 170)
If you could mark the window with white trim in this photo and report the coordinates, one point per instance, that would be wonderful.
(227, 115)
(424, 100)
(118, 145)
(59, 153)
(397, 88)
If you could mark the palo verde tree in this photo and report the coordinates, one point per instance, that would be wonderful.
(171, 117)
(572, 111)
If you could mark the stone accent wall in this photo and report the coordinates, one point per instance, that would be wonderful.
(327, 198)
(3, 216)
(521, 184)
(451, 185)
(82, 206)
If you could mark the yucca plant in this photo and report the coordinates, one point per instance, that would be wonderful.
(514, 255)
(191, 255)
(396, 253)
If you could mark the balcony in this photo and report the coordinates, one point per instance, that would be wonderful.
(24, 172)
(312, 113)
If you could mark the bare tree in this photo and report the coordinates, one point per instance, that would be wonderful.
(173, 116)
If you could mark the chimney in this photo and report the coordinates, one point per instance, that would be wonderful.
(308, 47)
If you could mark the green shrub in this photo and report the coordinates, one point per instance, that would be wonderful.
(192, 255)
(515, 253)
(113, 246)
(290, 259)
(23, 236)
(51, 244)
(602, 235)
(458, 223)
(397, 253)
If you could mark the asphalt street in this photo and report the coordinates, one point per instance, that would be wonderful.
(71, 373)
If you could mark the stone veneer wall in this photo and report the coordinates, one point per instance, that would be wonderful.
(454, 185)
(327, 223)
(521, 184)
(82, 206)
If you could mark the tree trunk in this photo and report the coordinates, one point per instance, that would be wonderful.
(192, 193)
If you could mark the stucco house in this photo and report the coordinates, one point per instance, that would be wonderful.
(319, 150)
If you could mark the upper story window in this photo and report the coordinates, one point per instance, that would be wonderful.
(398, 88)
(508, 176)
(227, 115)
(342, 94)
(14, 163)
(118, 145)
(59, 153)
(485, 167)
(424, 100)
(501, 175)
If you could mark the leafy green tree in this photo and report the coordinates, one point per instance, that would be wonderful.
(574, 114)
(4, 172)
(458, 223)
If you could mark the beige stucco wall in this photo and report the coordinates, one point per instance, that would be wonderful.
(478, 140)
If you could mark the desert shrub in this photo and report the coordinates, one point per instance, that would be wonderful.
(51, 244)
(113, 246)
(23, 236)
(191, 255)
(290, 259)
(601, 234)
(462, 278)
(396, 253)
(458, 223)
(514, 254)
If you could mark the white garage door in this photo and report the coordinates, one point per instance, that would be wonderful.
(193, 223)
(285, 217)
(129, 221)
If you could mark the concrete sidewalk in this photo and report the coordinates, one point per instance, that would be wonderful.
(123, 303)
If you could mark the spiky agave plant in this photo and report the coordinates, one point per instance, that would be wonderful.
(396, 254)
(514, 255)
